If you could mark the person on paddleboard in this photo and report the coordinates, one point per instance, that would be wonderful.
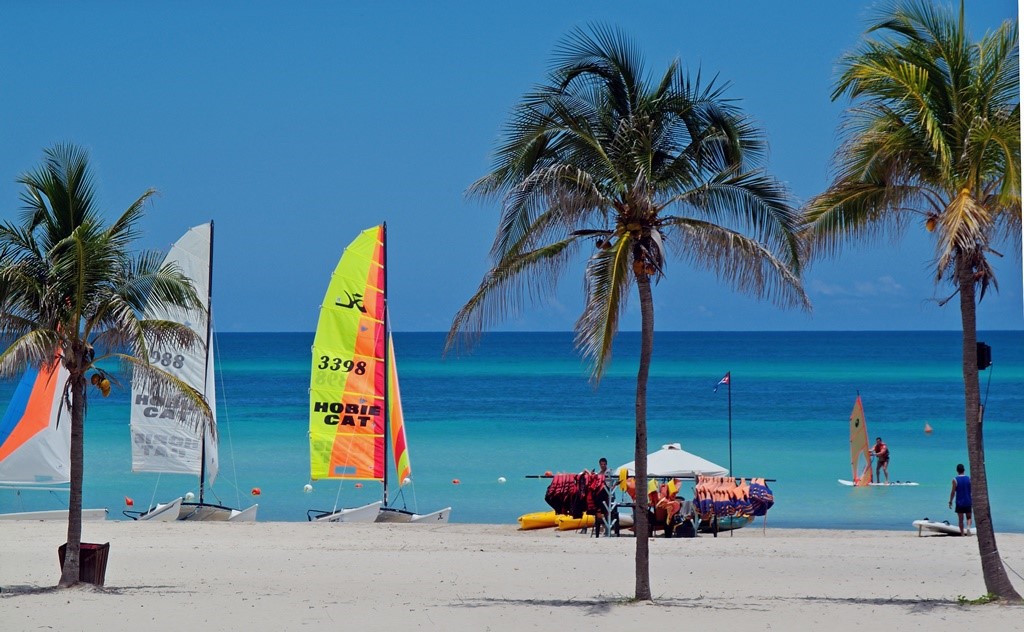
(881, 453)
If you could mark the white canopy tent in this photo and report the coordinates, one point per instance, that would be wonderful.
(672, 461)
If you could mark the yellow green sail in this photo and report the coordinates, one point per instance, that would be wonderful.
(348, 426)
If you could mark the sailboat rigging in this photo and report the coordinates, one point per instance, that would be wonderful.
(161, 442)
(355, 412)
(861, 448)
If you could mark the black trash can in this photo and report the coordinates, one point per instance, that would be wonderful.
(92, 562)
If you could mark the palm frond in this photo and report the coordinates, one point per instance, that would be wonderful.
(607, 282)
(599, 151)
(35, 348)
(934, 131)
(519, 279)
(191, 407)
(740, 261)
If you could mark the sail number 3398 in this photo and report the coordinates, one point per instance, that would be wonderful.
(337, 364)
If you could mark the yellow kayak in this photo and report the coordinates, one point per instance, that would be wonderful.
(568, 523)
(537, 520)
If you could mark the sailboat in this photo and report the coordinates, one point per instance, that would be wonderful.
(861, 448)
(161, 441)
(355, 406)
(35, 440)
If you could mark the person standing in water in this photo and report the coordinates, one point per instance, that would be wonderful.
(881, 453)
(961, 492)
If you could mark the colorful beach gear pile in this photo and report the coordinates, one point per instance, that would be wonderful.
(722, 501)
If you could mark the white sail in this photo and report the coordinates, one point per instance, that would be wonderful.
(35, 432)
(160, 441)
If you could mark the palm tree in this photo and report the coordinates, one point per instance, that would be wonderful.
(933, 142)
(70, 288)
(601, 159)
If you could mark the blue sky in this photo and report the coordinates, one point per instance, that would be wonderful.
(296, 125)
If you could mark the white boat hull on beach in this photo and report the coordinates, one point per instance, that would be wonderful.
(392, 514)
(216, 513)
(177, 509)
(163, 513)
(939, 527)
(54, 514)
(366, 513)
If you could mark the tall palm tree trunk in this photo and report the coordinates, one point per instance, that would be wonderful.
(70, 570)
(996, 580)
(643, 529)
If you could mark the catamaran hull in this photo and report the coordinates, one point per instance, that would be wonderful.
(166, 512)
(216, 513)
(366, 513)
(55, 514)
(179, 510)
(391, 514)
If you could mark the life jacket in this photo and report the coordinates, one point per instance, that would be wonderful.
(595, 492)
(761, 497)
(562, 493)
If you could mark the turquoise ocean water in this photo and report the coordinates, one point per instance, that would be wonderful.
(522, 404)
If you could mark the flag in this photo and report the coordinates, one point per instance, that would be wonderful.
(724, 380)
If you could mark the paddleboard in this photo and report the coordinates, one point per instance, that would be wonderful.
(568, 523)
(537, 520)
(939, 527)
(892, 484)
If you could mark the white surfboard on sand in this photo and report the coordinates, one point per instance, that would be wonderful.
(892, 484)
(939, 527)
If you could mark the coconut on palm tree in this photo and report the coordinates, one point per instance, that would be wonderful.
(70, 288)
(932, 143)
(603, 161)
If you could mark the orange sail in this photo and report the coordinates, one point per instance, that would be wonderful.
(859, 446)
(396, 421)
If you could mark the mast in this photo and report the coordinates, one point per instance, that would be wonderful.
(206, 372)
(387, 355)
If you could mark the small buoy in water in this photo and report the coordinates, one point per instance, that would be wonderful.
(548, 473)
(307, 488)
(406, 480)
(358, 485)
(256, 491)
(129, 501)
(189, 496)
(455, 481)
(927, 429)
(501, 479)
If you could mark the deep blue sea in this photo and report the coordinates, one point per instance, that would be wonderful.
(522, 403)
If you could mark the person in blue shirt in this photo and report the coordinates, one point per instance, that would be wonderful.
(961, 492)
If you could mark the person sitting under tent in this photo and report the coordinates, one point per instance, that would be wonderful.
(662, 503)
(667, 506)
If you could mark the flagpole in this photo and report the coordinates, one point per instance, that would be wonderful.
(730, 435)
(730, 421)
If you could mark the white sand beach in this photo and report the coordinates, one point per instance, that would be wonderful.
(289, 576)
